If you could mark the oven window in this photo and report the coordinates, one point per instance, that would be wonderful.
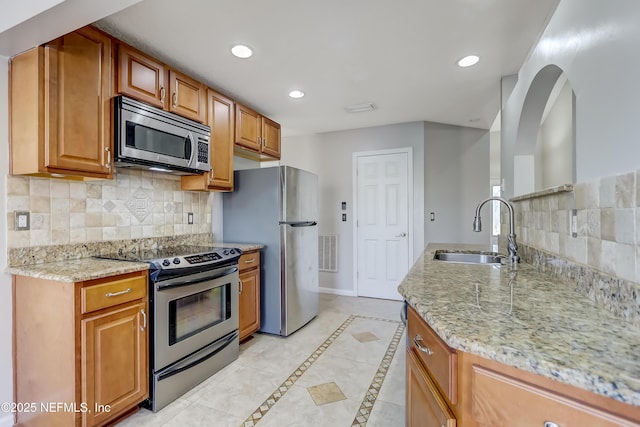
(157, 141)
(195, 313)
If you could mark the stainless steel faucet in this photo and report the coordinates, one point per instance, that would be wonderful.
(512, 245)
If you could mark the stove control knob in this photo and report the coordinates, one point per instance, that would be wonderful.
(232, 251)
(166, 263)
(226, 251)
(176, 260)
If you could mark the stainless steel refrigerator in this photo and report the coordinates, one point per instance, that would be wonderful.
(278, 207)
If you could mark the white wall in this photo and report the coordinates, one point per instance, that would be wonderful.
(456, 179)
(593, 42)
(329, 155)
(556, 138)
(6, 364)
(451, 175)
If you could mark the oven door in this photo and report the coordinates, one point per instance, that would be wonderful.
(191, 312)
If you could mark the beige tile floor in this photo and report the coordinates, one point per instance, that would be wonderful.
(326, 374)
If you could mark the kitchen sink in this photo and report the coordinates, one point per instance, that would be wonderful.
(469, 257)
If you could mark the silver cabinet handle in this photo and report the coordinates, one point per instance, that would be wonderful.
(174, 99)
(115, 294)
(108, 165)
(402, 235)
(264, 142)
(550, 424)
(144, 320)
(162, 93)
(417, 340)
(240, 290)
(249, 261)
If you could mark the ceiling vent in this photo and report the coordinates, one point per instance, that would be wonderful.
(360, 108)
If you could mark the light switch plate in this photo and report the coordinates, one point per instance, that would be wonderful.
(22, 221)
(190, 218)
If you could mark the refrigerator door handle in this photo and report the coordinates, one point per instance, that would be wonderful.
(299, 223)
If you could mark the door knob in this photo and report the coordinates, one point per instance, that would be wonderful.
(402, 235)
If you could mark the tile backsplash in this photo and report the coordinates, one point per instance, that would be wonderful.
(603, 259)
(607, 209)
(135, 204)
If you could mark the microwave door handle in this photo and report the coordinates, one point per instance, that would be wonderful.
(189, 152)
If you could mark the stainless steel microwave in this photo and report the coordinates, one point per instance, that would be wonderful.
(150, 138)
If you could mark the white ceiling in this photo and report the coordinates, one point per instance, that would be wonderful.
(400, 55)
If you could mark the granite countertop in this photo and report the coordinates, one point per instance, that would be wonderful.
(77, 270)
(538, 323)
(88, 268)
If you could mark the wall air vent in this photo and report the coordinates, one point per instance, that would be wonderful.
(328, 253)
(360, 108)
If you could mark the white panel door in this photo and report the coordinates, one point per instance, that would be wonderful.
(382, 226)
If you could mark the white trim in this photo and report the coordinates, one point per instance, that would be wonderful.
(343, 292)
(410, 219)
(6, 421)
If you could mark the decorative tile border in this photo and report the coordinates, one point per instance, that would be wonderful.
(372, 394)
(261, 411)
(374, 388)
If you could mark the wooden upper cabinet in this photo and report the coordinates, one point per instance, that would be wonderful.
(187, 96)
(141, 77)
(221, 119)
(256, 133)
(270, 138)
(149, 80)
(60, 100)
(248, 128)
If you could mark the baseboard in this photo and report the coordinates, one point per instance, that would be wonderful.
(6, 420)
(343, 292)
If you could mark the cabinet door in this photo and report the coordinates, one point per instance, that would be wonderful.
(249, 303)
(187, 96)
(114, 362)
(141, 77)
(425, 405)
(221, 118)
(78, 90)
(270, 138)
(248, 128)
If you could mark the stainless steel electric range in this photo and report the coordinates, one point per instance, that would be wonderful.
(193, 303)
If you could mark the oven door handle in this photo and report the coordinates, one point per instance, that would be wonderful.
(174, 284)
(198, 357)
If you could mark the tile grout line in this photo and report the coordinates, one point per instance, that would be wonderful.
(262, 410)
(362, 416)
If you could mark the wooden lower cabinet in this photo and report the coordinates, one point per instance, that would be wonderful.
(425, 405)
(489, 393)
(249, 300)
(80, 367)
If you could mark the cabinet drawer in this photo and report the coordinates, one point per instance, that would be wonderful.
(501, 400)
(435, 354)
(249, 260)
(112, 292)
(425, 405)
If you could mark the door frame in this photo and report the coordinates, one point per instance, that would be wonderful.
(354, 180)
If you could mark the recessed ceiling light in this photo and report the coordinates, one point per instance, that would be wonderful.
(296, 94)
(360, 108)
(241, 51)
(468, 61)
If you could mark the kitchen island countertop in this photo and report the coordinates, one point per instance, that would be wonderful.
(526, 319)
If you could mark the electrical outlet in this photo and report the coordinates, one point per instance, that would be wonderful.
(344, 217)
(22, 220)
(190, 218)
(574, 223)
